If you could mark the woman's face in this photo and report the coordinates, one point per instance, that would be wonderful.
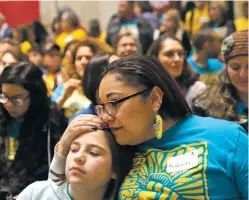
(8, 59)
(89, 161)
(237, 69)
(18, 99)
(172, 57)
(134, 119)
(83, 55)
(127, 46)
(167, 23)
(214, 13)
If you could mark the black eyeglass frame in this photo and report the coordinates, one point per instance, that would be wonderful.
(116, 102)
(13, 99)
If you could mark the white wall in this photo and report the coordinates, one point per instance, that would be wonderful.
(86, 10)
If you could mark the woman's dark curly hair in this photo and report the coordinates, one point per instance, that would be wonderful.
(188, 76)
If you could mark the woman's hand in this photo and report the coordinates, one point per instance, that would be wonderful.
(79, 125)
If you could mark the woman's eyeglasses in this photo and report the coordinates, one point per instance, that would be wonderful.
(111, 106)
(15, 100)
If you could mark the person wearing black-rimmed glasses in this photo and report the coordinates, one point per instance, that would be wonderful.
(30, 126)
(179, 155)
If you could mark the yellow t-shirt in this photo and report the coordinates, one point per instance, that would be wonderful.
(241, 23)
(64, 38)
(200, 17)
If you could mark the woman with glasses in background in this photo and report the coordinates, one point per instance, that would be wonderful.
(30, 126)
(170, 52)
(178, 155)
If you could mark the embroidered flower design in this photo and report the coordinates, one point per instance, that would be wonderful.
(227, 45)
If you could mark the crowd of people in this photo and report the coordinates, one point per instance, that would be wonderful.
(153, 107)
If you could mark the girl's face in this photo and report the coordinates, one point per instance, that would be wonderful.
(17, 100)
(83, 55)
(133, 122)
(237, 69)
(172, 57)
(214, 13)
(168, 23)
(89, 161)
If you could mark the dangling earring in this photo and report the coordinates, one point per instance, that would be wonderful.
(158, 126)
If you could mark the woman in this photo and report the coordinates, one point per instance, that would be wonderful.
(69, 95)
(218, 19)
(70, 26)
(126, 45)
(170, 52)
(92, 171)
(171, 26)
(226, 97)
(30, 126)
(144, 10)
(91, 80)
(178, 155)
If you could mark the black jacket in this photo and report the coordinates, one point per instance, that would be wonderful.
(31, 158)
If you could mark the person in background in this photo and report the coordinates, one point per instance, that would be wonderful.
(35, 56)
(144, 10)
(242, 22)
(125, 21)
(226, 97)
(171, 26)
(91, 80)
(25, 37)
(218, 19)
(30, 126)
(5, 30)
(95, 30)
(52, 62)
(195, 18)
(126, 45)
(10, 57)
(9, 44)
(70, 95)
(70, 30)
(170, 52)
(205, 61)
(178, 155)
(40, 32)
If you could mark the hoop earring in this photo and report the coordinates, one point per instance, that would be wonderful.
(158, 127)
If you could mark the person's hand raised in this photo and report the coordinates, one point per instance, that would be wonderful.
(79, 125)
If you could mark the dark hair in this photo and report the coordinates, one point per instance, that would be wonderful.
(145, 6)
(202, 36)
(92, 75)
(94, 28)
(113, 186)
(188, 76)
(29, 77)
(23, 32)
(39, 31)
(42, 120)
(148, 72)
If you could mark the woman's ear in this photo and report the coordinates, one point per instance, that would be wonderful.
(157, 98)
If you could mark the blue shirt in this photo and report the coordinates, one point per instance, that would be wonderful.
(198, 158)
(213, 66)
